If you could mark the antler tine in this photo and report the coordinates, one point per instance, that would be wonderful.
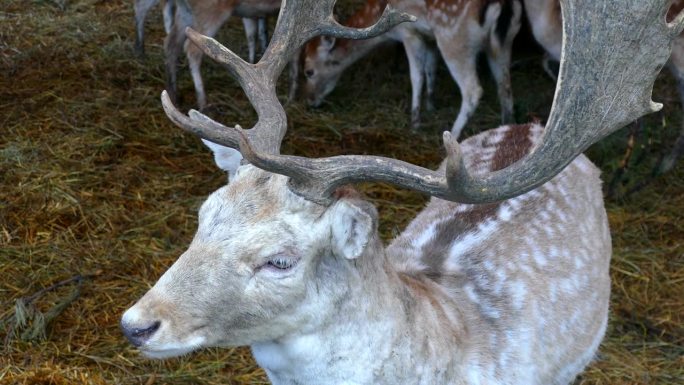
(612, 52)
(200, 124)
(298, 22)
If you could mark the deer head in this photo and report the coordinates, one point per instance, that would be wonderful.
(275, 247)
(326, 58)
(322, 68)
(263, 263)
(264, 259)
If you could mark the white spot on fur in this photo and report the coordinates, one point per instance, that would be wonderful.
(424, 236)
(505, 213)
(539, 257)
(470, 240)
(518, 292)
(470, 292)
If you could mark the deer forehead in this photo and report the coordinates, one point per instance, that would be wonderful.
(257, 204)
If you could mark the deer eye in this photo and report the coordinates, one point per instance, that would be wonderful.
(282, 263)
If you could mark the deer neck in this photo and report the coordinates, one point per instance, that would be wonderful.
(364, 17)
(354, 50)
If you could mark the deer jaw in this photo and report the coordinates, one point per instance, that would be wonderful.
(225, 290)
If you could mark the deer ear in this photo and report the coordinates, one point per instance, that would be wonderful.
(226, 158)
(328, 42)
(353, 226)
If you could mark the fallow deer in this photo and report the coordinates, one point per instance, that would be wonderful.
(255, 28)
(511, 291)
(206, 17)
(461, 29)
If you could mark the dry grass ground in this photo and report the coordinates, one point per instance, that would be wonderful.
(96, 181)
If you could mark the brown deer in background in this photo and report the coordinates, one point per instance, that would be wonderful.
(254, 27)
(141, 8)
(514, 290)
(206, 17)
(461, 28)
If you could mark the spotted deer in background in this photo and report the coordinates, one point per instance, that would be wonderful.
(461, 28)
(255, 29)
(206, 16)
(511, 286)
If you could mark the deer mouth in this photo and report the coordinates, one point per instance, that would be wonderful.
(167, 353)
(315, 102)
(168, 350)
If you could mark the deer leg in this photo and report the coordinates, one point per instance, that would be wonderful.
(173, 44)
(262, 27)
(676, 66)
(251, 33)
(415, 51)
(499, 64)
(194, 63)
(550, 66)
(464, 71)
(295, 68)
(430, 76)
(499, 58)
(168, 9)
(141, 8)
(207, 22)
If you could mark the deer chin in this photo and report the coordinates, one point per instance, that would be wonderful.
(316, 101)
(169, 350)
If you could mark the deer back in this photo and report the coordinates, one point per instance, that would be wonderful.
(534, 267)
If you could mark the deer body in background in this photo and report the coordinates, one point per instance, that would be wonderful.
(461, 29)
(255, 28)
(141, 8)
(509, 287)
(545, 21)
(207, 17)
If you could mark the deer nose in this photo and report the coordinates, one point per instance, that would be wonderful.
(138, 336)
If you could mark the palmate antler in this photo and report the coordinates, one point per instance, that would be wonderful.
(612, 52)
